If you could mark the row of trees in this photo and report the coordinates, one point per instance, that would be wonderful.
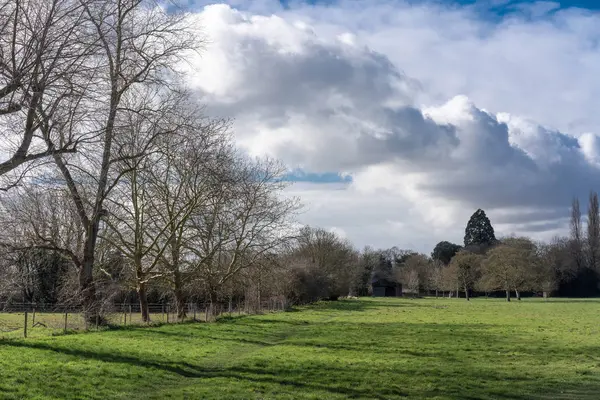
(113, 178)
(488, 265)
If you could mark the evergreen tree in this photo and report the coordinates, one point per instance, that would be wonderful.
(444, 251)
(479, 230)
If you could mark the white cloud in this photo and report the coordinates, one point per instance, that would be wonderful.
(324, 90)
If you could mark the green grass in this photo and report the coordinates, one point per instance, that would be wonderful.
(368, 349)
(49, 323)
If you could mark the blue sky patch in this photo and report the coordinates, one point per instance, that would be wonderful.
(299, 175)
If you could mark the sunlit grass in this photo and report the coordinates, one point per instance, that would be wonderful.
(368, 348)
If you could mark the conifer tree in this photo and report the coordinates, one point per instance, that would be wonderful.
(479, 230)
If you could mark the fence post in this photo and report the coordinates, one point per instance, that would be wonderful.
(33, 317)
(97, 321)
(125, 317)
(25, 326)
(194, 305)
(168, 309)
(66, 317)
(206, 313)
(163, 313)
(130, 315)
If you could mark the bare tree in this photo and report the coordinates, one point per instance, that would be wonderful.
(413, 273)
(244, 220)
(504, 267)
(464, 268)
(436, 276)
(134, 45)
(367, 262)
(322, 264)
(189, 173)
(43, 55)
(41, 217)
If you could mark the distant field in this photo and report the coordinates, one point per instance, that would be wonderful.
(367, 349)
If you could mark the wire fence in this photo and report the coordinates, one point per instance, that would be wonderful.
(37, 320)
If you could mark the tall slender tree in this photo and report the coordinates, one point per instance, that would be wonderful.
(576, 245)
(593, 237)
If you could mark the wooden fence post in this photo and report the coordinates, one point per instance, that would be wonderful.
(130, 315)
(194, 305)
(25, 326)
(168, 309)
(66, 317)
(33, 317)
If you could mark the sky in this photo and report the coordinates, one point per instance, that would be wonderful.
(399, 119)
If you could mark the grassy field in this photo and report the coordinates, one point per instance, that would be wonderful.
(367, 349)
(48, 323)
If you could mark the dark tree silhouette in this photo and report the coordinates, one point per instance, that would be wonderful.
(444, 251)
(479, 230)
(593, 232)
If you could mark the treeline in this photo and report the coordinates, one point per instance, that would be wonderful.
(114, 181)
(509, 266)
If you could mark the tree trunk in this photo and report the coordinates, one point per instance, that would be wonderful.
(467, 293)
(545, 294)
(87, 288)
(141, 289)
(518, 294)
(507, 295)
(178, 294)
(143, 295)
(213, 302)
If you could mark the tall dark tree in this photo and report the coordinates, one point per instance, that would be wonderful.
(479, 230)
(444, 251)
(576, 243)
(593, 236)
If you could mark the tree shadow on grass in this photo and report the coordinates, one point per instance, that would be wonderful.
(455, 379)
(188, 370)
